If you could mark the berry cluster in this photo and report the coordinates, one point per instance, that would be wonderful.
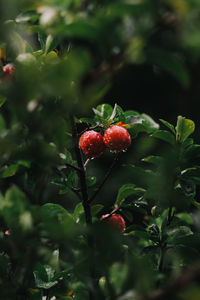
(116, 138)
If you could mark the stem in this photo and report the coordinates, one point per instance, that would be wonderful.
(105, 179)
(72, 166)
(162, 253)
(81, 172)
(86, 163)
(169, 217)
(91, 128)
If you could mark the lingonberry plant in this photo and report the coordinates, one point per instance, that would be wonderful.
(97, 201)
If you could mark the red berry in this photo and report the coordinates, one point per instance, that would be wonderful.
(91, 143)
(8, 70)
(115, 220)
(117, 138)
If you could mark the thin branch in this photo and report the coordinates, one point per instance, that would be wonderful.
(81, 172)
(170, 216)
(72, 166)
(90, 128)
(86, 163)
(176, 285)
(105, 179)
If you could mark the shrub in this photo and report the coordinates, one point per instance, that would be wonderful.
(55, 202)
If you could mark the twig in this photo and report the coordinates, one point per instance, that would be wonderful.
(177, 285)
(105, 178)
(72, 166)
(81, 172)
(170, 216)
(86, 163)
(90, 128)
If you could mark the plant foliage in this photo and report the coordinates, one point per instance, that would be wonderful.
(53, 244)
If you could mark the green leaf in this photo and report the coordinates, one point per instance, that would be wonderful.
(164, 136)
(95, 209)
(168, 125)
(175, 233)
(82, 29)
(104, 111)
(128, 215)
(140, 122)
(191, 174)
(18, 43)
(120, 9)
(78, 211)
(125, 191)
(44, 277)
(9, 171)
(152, 159)
(42, 40)
(186, 217)
(13, 206)
(149, 122)
(184, 128)
(118, 274)
(24, 163)
(114, 112)
(2, 100)
(50, 44)
(27, 16)
(57, 222)
(56, 210)
(141, 177)
(120, 114)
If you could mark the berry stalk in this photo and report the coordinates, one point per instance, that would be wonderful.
(81, 172)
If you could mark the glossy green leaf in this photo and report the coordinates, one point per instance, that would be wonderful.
(164, 136)
(78, 210)
(104, 111)
(125, 191)
(168, 125)
(13, 206)
(184, 128)
(50, 44)
(186, 217)
(179, 232)
(9, 171)
(44, 277)
(2, 100)
(152, 159)
(95, 209)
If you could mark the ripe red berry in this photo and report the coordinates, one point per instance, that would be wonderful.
(8, 70)
(117, 138)
(115, 220)
(91, 143)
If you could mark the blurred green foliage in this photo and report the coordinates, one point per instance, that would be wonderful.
(66, 54)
